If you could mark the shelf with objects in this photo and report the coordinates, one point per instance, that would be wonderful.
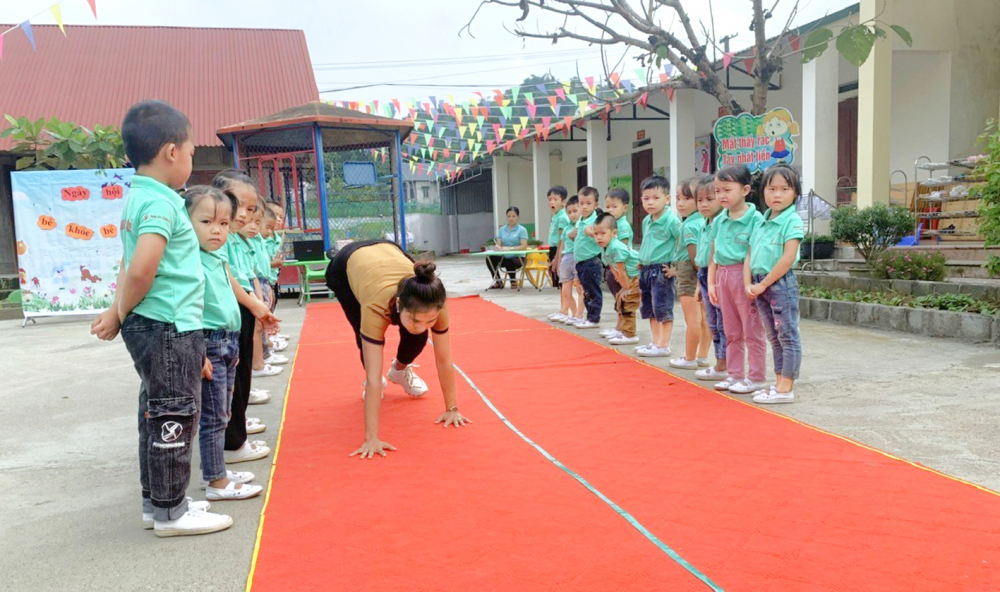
(942, 204)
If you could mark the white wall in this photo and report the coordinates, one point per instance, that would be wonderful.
(474, 230)
(521, 187)
(450, 234)
(921, 109)
(431, 232)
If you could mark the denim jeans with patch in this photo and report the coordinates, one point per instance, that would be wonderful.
(713, 316)
(657, 294)
(169, 365)
(779, 312)
(222, 348)
(590, 272)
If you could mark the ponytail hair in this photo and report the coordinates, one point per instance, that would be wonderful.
(423, 291)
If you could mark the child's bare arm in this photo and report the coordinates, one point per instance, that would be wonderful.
(141, 272)
(107, 324)
(260, 310)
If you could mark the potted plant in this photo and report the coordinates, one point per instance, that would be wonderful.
(871, 230)
(820, 246)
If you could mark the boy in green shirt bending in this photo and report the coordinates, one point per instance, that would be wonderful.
(623, 263)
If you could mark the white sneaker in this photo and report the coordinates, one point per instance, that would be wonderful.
(622, 340)
(554, 316)
(233, 476)
(746, 386)
(710, 374)
(654, 352)
(609, 333)
(570, 320)
(585, 324)
(245, 453)
(275, 359)
(684, 364)
(558, 317)
(408, 379)
(254, 426)
(232, 492)
(647, 346)
(702, 362)
(278, 345)
(267, 370)
(191, 523)
(282, 336)
(364, 385)
(725, 384)
(259, 397)
(147, 519)
(771, 396)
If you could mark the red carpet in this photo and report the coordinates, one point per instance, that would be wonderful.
(751, 499)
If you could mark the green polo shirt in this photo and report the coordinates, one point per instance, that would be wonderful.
(659, 238)
(559, 221)
(238, 256)
(767, 243)
(262, 256)
(221, 309)
(178, 289)
(568, 243)
(585, 247)
(274, 247)
(704, 244)
(691, 230)
(618, 252)
(625, 233)
(732, 237)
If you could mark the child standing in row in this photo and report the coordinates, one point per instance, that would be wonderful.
(660, 232)
(587, 255)
(158, 307)
(616, 204)
(279, 342)
(265, 255)
(211, 212)
(557, 206)
(731, 232)
(770, 282)
(623, 263)
(709, 208)
(570, 307)
(697, 336)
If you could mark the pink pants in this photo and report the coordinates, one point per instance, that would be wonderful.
(742, 324)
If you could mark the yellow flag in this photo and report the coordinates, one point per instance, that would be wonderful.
(57, 14)
(461, 131)
(524, 121)
(472, 126)
(567, 84)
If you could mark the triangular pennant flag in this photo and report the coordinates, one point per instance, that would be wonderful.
(529, 98)
(430, 125)
(508, 145)
(446, 153)
(669, 69)
(628, 85)
(568, 120)
(497, 131)
(503, 120)
(726, 59)
(552, 101)
(561, 93)
(93, 6)
(644, 99)
(640, 73)
(517, 129)
(670, 93)
(614, 77)
(461, 131)
(507, 111)
(441, 131)
(480, 119)
(567, 84)
(590, 83)
(542, 88)
(604, 116)
(472, 127)
(748, 62)
(547, 122)
(795, 41)
(470, 142)
(56, 11)
(458, 115)
(514, 92)
(26, 27)
(524, 121)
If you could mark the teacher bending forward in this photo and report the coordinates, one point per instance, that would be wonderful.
(378, 285)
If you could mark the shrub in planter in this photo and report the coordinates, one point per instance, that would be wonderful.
(822, 247)
(989, 194)
(897, 265)
(872, 230)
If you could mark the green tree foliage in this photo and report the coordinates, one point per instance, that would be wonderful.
(872, 230)
(989, 194)
(57, 145)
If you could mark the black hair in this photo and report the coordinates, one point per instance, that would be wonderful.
(689, 188)
(572, 201)
(225, 180)
(736, 173)
(422, 291)
(604, 217)
(149, 126)
(199, 193)
(790, 175)
(558, 190)
(513, 209)
(269, 213)
(619, 194)
(588, 190)
(655, 182)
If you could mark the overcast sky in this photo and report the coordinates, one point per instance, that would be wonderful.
(407, 42)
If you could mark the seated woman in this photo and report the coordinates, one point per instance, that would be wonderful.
(378, 285)
(510, 237)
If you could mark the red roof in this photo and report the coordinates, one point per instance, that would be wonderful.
(214, 76)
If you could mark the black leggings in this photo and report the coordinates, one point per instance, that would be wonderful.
(236, 430)
(410, 345)
(511, 265)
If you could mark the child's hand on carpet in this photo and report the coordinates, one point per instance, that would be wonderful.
(372, 447)
(453, 418)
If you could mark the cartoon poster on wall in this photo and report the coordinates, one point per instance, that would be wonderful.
(620, 172)
(703, 155)
(757, 141)
(68, 248)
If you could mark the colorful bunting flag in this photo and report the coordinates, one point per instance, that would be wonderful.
(26, 27)
(93, 6)
(726, 59)
(748, 62)
(56, 11)
(561, 93)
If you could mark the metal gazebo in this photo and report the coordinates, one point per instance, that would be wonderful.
(337, 171)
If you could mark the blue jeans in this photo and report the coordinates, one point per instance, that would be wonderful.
(169, 367)
(779, 312)
(222, 348)
(590, 272)
(657, 294)
(713, 316)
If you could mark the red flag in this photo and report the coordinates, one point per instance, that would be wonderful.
(552, 101)
(532, 110)
(614, 77)
(93, 6)
(643, 100)
(670, 93)
(490, 145)
(568, 120)
(795, 41)
(727, 58)
(508, 145)
(748, 63)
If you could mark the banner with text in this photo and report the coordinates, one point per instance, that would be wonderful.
(757, 141)
(68, 248)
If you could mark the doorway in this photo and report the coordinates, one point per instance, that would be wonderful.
(642, 167)
(581, 177)
(847, 148)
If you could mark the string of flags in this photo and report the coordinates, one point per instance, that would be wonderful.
(55, 10)
(450, 135)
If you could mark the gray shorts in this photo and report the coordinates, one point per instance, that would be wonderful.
(567, 268)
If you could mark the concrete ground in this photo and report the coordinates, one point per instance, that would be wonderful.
(69, 493)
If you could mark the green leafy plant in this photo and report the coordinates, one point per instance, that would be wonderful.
(872, 230)
(58, 145)
(949, 302)
(989, 194)
(897, 265)
(820, 238)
